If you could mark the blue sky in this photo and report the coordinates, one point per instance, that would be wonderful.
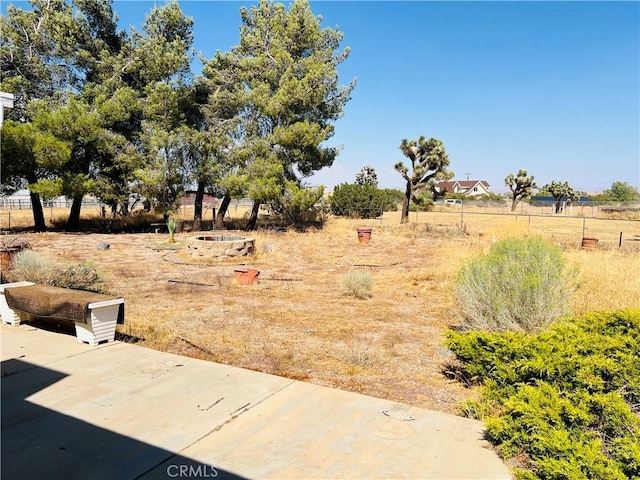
(553, 87)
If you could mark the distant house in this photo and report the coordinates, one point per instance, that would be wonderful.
(190, 198)
(472, 188)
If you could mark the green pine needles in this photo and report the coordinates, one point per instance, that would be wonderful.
(522, 284)
(562, 404)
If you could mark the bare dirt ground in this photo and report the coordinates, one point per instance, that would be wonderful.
(296, 321)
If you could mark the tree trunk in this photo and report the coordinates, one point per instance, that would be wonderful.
(73, 223)
(198, 206)
(222, 211)
(124, 208)
(557, 205)
(253, 218)
(514, 204)
(38, 213)
(405, 204)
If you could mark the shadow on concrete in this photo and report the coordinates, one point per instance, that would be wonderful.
(40, 443)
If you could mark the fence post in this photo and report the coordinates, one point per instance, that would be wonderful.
(584, 221)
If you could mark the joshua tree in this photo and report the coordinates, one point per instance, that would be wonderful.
(521, 186)
(560, 191)
(429, 163)
(367, 176)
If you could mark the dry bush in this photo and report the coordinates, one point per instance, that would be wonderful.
(32, 267)
(522, 284)
(357, 284)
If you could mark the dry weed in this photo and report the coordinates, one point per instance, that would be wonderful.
(294, 323)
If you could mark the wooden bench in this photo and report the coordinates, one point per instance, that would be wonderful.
(94, 315)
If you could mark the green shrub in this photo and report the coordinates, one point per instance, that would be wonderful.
(29, 266)
(80, 276)
(520, 285)
(422, 202)
(298, 204)
(564, 402)
(362, 201)
(357, 284)
(172, 224)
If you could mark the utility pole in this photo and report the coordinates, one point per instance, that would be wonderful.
(467, 174)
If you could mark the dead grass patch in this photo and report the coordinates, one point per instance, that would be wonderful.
(296, 323)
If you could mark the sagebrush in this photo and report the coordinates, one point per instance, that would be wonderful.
(29, 266)
(357, 284)
(522, 284)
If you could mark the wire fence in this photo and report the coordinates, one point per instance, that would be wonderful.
(610, 232)
(615, 225)
(24, 203)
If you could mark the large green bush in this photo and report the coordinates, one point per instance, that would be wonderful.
(363, 201)
(522, 284)
(565, 403)
(298, 204)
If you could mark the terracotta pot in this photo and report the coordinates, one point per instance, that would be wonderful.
(589, 243)
(7, 254)
(246, 276)
(364, 234)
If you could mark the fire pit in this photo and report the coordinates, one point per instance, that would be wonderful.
(220, 246)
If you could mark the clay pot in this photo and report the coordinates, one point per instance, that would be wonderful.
(246, 276)
(589, 243)
(7, 253)
(364, 234)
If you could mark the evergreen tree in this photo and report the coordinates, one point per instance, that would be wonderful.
(287, 65)
(87, 82)
(34, 66)
(622, 192)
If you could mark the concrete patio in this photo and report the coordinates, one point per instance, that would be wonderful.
(119, 411)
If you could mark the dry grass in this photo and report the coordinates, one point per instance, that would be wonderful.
(296, 322)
